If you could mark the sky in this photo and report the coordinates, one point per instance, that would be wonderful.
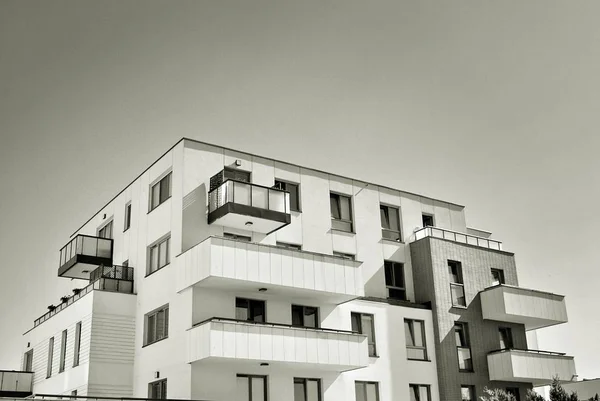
(493, 105)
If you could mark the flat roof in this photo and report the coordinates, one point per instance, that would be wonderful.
(262, 157)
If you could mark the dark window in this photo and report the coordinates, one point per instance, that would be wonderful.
(394, 280)
(106, 231)
(158, 390)
(160, 192)
(28, 361)
(363, 323)
(497, 277)
(467, 393)
(250, 309)
(125, 263)
(341, 212)
(159, 255)
(366, 391)
(251, 388)
(237, 237)
(50, 356)
(416, 347)
(73, 394)
(77, 344)
(463, 346)
(506, 338)
(515, 392)
(344, 255)
(305, 316)
(390, 223)
(63, 351)
(457, 288)
(307, 389)
(157, 325)
(419, 392)
(294, 193)
(236, 175)
(289, 246)
(127, 223)
(427, 220)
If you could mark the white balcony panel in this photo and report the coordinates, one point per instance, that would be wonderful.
(534, 309)
(15, 382)
(242, 266)
(530, 367)
(223, 341)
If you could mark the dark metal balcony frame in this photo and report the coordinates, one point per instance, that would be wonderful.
(531, 351)
(86, 259)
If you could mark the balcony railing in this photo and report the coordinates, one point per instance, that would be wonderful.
(15, 383)
(86, 250)
(455, 236)
(530, 366)
(243, 193)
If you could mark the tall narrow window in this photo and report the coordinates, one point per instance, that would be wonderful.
(157, 325)
(28, 361)
(341, 212)
(50, 357)
(250, 309)
(467, 393)
(497, 277)
(427, 220)
(127, 222)
(294, 193)
(390, 223)
(158, 390)
(160, 192)
(419, 392)
(416, 347)
(63, 351)
(363, 323)
(251, 388)
(506, 338)
(106, 231)
(307, 389)
(159, 255)
(463, 346)
(457, 287)
(77, 345)
(394, 280)
(305, 316)
(366, 391)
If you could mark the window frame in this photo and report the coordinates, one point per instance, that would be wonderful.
(63, 351)
(156, 245)
(411, 323)
(265, 384)
(364, 384)
(386, 208)
(500, 272)
(458, 284)
(508, 331)
(471, 389)
(389, 287)
(167, 175)
(28, 361)
(418, 392)
(77, 344)
(467, 340)
(127, 220)
(423, 215)
(103, 227)
(50, 357)
(360, 330)
(165, 329)
(162, 387)
(304, 381)
(338, 199)
(250, 309)
(303, 314)
(283, 187)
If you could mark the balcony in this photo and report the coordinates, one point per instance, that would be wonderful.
(249, 207)
(83, 254)
(15, 384)
(241, 266)
(282, 346)
(532, 308)
(103, 278)
(455, 236)
(530, 366)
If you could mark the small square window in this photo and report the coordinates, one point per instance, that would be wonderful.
(467, 393)
(497, 277)
(427, 220)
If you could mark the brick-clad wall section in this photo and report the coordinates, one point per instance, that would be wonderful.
(432, 284)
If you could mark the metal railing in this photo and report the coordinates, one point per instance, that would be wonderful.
(244, 193)
(455, 236)
(282, 325)
(86, 245)
(529, 351)
(115, 272)
(98, 398)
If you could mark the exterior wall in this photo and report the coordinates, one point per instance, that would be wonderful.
(585, 389)
(430, 256)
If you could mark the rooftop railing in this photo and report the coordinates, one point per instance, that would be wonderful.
(244, 193)
(455, 236)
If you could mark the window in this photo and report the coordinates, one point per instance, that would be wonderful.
(366, 391)
(50, 356)
(250, 309)
(457, 288)
(289, 246)
(305, 316)
(106, 231)
(497, 277)
(63, 351)
(515, 392)
(506, 338)
(158, 390)
(157, 325)
(158, 255)
(427, 220)
(236, 175)
(363, 323)
(390, 223)
(251, 388)
(341, 212)
(463, 346)
(394, 280)
(237, 237)
(160, 192)
(307, 389)
(77, 345)
(467, 393)
(28, 361)
(344, 255)
(414, 331)
(73, 393)
(127, 223)
(419, 392)
(294, 193)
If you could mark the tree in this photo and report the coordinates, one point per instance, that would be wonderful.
(558, 393)
(498, 394)
(533, 396)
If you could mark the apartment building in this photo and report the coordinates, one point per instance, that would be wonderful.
(221, 275)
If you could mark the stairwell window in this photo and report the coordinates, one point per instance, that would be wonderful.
(156, 325)
(50, 357)
(63, 351)
(341, 212)
(294, 193)
(416, 347)
(463, 346)
(390, 223)
(106, 231)
(363, 323)
(305, 316)
(160, 192)
(394, 280)
(366, 391)
(159, 254)
(420, 392)
(158, 390)
(77, 345)
(457, 287)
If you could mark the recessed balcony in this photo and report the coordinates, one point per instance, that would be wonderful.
(240, 266)
(530, 366)
(455, 236)
(15, 384)
(532, 308)
(220, 340)
(248, 207)
(83, 254)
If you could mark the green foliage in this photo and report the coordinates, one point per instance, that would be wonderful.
(558, 393)
(533, 396)
(497, 394)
